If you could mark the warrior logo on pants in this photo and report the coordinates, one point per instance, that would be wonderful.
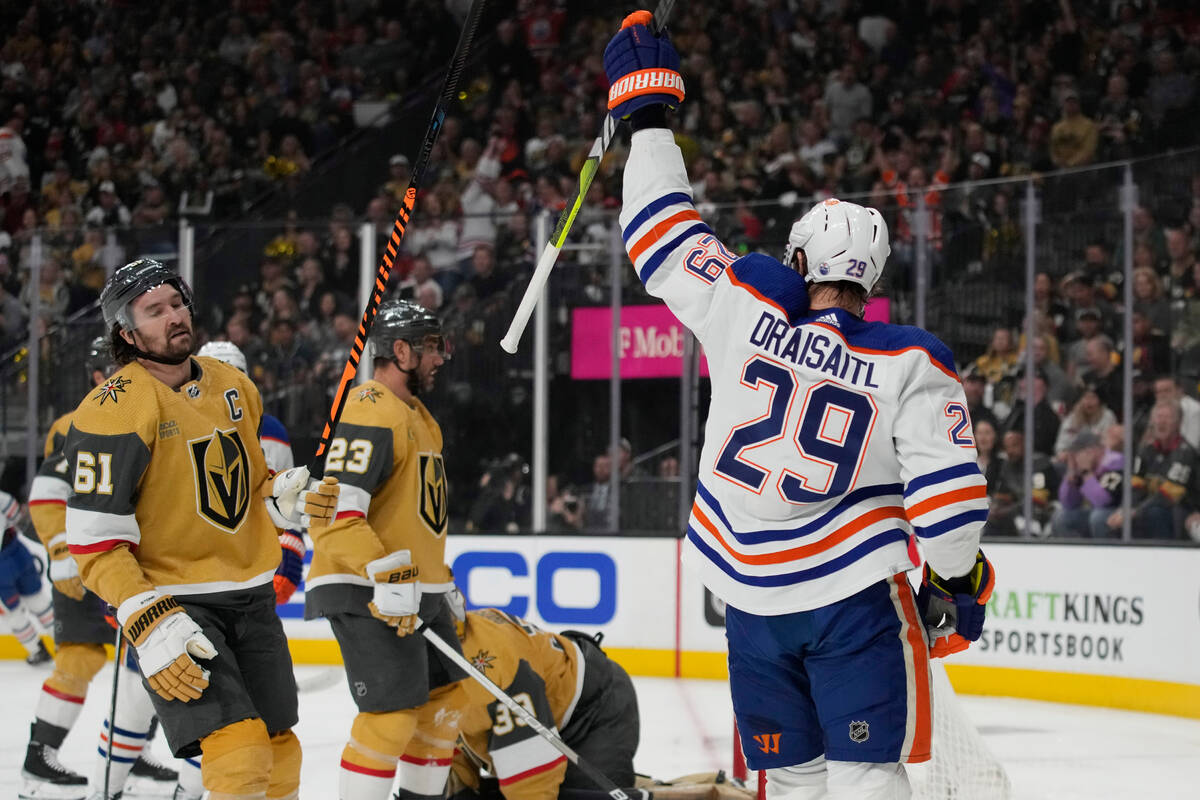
(434, 506)
(222, 478)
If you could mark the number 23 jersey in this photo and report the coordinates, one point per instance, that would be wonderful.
(829, 439)
(177, 476)
(387, 455)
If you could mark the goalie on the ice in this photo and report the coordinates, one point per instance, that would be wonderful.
(567, 682)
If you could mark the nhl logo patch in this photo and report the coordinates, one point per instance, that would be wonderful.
(193, 391)
(859, 732)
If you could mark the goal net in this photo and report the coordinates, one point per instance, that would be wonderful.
(963, 767)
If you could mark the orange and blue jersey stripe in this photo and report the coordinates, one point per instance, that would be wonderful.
(946, 500)
(647, 232)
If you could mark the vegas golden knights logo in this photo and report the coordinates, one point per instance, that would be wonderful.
(434, 504)
(222, 472)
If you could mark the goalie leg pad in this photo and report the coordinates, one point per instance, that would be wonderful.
(855, 780)
(285, 766)
(800, 782)
(236, 760)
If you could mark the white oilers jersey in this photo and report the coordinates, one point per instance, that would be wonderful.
(829, 441)
(277, 447)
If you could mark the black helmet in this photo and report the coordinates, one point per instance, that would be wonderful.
(133, 280)
(99, 357)
(402, 319)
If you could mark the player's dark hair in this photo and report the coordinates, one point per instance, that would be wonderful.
(845, 291)
(122, 351)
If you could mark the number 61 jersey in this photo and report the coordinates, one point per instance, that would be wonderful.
(829, 439)
(177, 477)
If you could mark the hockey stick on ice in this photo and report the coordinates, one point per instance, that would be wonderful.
(449, 89)
(597, 777)
(112, 707)
(537, 281)
(317, 681)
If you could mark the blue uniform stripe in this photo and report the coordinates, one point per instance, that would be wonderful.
(783, 535)
(877, 541)
(292, 610)
(663, 250)
(194, 762)
(952, 523)
(941, 476)
(649, 211)
(272, 428)
(128, 734)
(121, 759)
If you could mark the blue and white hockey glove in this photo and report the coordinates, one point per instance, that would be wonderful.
(953, 609)
(642, 69)
(291, 566)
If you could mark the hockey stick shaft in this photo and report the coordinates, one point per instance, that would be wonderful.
(597, 777)
(119, 646)
(403, 216)
(541, 273)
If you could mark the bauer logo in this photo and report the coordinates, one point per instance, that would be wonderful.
(565, 588)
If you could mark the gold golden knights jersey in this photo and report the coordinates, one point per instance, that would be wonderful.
(50, 489)
(173, 477)
(540, 670)
(387, 454)
(57, 434)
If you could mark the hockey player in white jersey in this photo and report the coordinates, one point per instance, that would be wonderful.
(829, 443)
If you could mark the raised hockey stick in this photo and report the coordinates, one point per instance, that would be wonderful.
(537, 281)
(597, 777)
(449, 90)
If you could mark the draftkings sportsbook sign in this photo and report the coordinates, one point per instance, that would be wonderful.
(1109, 610)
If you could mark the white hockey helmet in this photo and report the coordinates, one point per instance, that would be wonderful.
(228, 352)
(841, 242)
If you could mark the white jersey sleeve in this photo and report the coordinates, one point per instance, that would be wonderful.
(277, 447)
(946, 505)
(676, 255)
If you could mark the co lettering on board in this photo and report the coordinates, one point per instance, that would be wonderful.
(527, 581)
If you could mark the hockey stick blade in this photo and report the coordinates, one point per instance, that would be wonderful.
(541, 273)
(449, 89)
(597, 777)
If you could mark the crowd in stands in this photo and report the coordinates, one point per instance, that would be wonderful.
(113, 113)
(1076, 479)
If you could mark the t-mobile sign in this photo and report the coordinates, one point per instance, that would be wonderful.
(651, 341)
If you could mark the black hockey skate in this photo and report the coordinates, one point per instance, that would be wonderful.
(44, 778)
(40, 657)
(148, 778)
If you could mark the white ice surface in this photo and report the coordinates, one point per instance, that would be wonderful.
(1051, 751)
